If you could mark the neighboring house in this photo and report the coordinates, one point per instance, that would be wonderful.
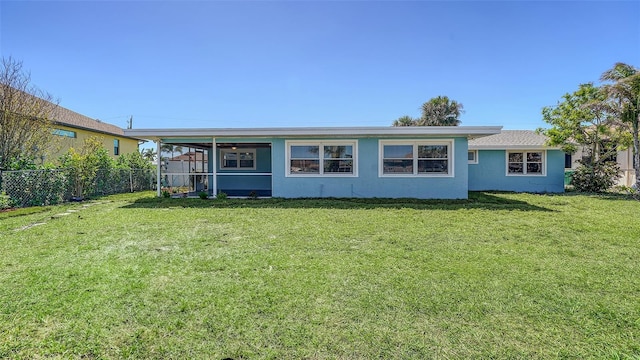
(515, 160)
(71, 129)
(184, 168)
(624, 159)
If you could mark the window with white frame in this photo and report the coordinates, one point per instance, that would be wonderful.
(525, 163)
(416, 158)
(65, 133)
(237, 159)
(325, 158)
(472, 156)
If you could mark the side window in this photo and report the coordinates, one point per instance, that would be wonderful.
(472, 156)
(525, 163)
(238, 159)
(568, 161)
(65, 133)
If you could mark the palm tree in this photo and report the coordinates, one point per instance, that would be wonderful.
(171, 149)
(440, 111)
(149, 154)
(405, 121)
(624, 89)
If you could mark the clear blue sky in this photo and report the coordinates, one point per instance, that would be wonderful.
(315, 63)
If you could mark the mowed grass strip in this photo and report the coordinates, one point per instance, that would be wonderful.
(495, 276)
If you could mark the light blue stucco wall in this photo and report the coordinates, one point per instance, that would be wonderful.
(368, 183)
(490, 174)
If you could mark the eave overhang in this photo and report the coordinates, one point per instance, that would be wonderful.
(512, 147)
(470, 132)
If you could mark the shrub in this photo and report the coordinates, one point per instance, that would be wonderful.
(221, 196)
(36, 187)
(5, 201)
(598, 177)
(203, 195)
(84, 166)
(166, 194)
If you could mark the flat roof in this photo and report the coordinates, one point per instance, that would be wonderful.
(404, 131)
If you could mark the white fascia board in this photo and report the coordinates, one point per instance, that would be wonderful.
(512, 147)
(470, 131)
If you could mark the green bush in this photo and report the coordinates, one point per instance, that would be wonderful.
(598, 177)
(5, 201)
(221, 196)
(36, 187)
(203, 195)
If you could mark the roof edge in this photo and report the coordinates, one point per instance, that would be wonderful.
(316, 131)
(513, 147)
(60, 123)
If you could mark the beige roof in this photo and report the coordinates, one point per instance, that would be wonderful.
(190, 156)
(510, 139)
(70, 118)
(66, 117)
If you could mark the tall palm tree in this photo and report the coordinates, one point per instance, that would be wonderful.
(624, 88)
(440, 111)
(149, 154)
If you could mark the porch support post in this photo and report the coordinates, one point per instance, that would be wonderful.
(158, 172)
(214, 156)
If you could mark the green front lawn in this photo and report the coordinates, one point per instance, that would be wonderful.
(498, 276)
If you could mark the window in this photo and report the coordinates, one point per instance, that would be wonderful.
(472, 156)
(608, 152)
(238, 159)
(409, 158)
(568, 161)
(525, 163)
(116, 147)
(326, 158)
(65, 133)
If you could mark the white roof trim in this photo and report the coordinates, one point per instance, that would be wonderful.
(473, 131)
(512, 147)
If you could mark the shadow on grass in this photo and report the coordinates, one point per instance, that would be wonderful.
(477, 200)
(15, 212)
(604, 195)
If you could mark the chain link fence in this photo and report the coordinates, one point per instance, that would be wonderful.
(46, 187)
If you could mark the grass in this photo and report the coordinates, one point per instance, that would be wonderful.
(495, 276)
